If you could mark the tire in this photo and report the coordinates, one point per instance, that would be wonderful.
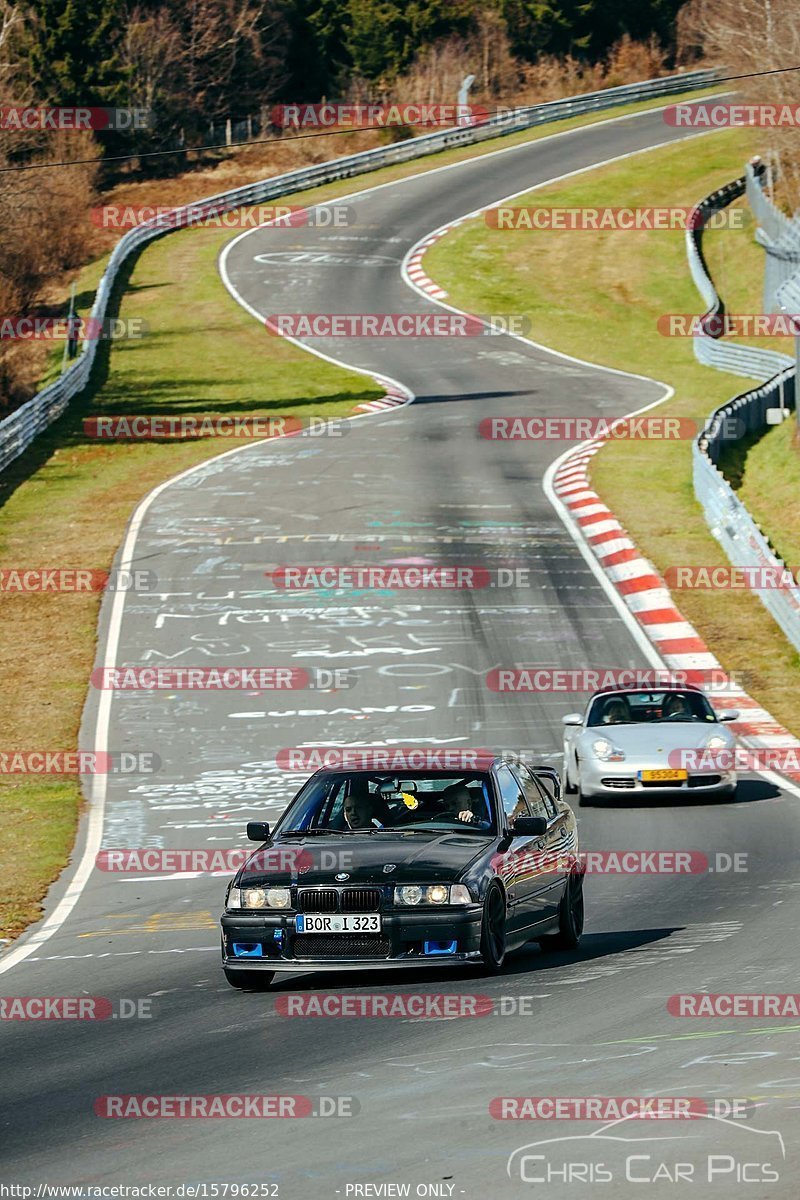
(493, 931)
(249, 981)
(584, 801)
(570, 918)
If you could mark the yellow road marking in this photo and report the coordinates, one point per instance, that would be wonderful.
(167, 922)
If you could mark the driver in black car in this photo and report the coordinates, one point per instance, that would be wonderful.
(458, 804)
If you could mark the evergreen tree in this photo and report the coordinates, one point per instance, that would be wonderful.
(585, 28)
(69, 52)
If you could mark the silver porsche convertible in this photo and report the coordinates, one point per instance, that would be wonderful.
(645, 743)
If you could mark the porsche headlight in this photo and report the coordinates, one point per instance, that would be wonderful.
(274, 897)
(606, 752)
(412, 895)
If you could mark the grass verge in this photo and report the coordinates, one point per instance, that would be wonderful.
(627, 280)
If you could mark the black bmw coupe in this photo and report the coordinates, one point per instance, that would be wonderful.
(431, 868)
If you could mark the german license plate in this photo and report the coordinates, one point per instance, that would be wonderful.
(351, 923)
(663, 773)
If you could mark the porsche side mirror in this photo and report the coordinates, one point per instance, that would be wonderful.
(529, 827)
(732, 714)
(572, 719)
(257, 831)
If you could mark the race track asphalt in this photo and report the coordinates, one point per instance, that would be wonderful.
(414, 484)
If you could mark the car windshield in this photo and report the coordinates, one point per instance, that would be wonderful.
(366, 802)
(637, 708)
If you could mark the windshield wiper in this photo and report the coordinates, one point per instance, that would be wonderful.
(317, 831)
(461, 828)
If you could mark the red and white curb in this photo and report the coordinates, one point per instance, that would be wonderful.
(392, 399)
(413, 266)
(649, 601)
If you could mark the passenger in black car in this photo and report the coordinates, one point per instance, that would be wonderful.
(360, 807)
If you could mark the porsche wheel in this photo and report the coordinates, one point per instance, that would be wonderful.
(584, 801)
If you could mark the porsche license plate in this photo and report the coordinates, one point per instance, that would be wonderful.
(351, 923)
(663, 773)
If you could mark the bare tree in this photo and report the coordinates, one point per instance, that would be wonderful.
(752, 36)
(45, 212)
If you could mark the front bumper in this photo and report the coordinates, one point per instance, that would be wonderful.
(400, 943)
(622, 779)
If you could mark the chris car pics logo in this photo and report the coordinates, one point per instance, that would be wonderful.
(709, 1150)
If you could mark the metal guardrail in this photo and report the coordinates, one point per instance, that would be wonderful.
(780, 237)
(714, 351)
(744, 542)
(18, 430)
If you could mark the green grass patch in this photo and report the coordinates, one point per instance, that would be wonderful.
(600, 295)
(770, 488)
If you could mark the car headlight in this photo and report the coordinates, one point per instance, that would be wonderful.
(275, 897)
(606, 752)
(412, 895)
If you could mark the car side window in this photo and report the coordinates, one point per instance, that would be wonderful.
(514, 802)
(540, 802)
(331, 813)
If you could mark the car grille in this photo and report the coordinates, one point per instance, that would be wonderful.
(619, 782)
(318, 900)
(669, 785)
(331, 900)
(320, 945)
(359, 899)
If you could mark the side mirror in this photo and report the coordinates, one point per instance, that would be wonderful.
(257, 831)
(572, 719)
(732, 714)
(529, 827)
